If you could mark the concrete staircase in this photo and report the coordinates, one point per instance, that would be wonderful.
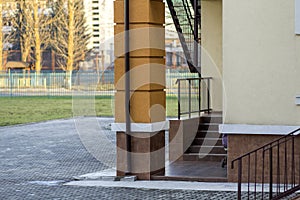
(207, 145)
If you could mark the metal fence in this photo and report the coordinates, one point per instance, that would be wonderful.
(63, 84)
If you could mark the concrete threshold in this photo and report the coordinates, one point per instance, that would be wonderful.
(160, 185)
(108, 178)
(167, 185)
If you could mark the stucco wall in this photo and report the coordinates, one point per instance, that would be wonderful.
(211, 51)
(261, 62)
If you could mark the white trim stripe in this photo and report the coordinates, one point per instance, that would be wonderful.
(256, 129)
(142, 127)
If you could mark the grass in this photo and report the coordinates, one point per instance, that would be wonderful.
(21, 110)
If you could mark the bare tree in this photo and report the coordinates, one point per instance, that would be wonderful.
(43, 20)
(37, 39)
(70, 36)
(22, 23)
(32, 30)
(5, 27)
(71, 30)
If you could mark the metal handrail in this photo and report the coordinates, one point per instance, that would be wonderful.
(271, 153)
(189, 14)
(184, 21)
(198, 95)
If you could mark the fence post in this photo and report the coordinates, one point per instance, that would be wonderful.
(10, 81)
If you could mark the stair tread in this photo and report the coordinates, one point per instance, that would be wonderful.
(208, 123)
(212, 115)
(205, 146)
(209, 139)
(208, 131)
(210, 154)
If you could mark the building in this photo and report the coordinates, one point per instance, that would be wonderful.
(256, 52)
(99, 17)
(249, 49)
(99, 14)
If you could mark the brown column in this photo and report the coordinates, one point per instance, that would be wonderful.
(147, 84)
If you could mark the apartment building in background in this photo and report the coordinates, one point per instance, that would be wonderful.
(99, 19)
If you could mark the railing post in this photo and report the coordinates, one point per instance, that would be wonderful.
(178, 105)
(190, 99)
(239, 196)
(199, 96)
(208, 94)
(270, 173)
(293, 162)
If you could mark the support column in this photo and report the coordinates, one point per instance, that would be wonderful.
(147, 84)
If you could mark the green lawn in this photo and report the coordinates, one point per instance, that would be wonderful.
(20, 110)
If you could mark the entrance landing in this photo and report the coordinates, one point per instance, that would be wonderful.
(204, 171)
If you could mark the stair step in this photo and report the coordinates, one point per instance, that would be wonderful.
(212, 119)
(203, 157)
(206, 149)
(211, 134)
(207, 141)
(209, 126)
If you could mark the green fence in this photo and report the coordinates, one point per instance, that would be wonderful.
(64, 84)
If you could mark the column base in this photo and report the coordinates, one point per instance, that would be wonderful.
(147, 156)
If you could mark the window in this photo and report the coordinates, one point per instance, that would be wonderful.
(169, 58)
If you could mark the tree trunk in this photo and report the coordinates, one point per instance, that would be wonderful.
(37, 37)
(71, 27)
(70, 61)
(25, 40)
(1, 37)
(25, 50)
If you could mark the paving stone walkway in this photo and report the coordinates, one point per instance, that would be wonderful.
(36, 160)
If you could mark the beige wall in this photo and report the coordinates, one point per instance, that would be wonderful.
(261, 62)
(211, 51)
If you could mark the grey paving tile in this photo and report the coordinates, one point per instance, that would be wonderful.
(36, 159)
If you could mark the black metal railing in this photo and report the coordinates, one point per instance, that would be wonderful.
(271, 171)
(187, 23)
(193, 96)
